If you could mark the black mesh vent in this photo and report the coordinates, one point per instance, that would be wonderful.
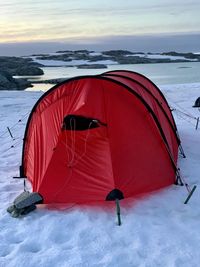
(79, 123)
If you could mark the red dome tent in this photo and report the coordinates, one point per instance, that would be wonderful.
(100, 137)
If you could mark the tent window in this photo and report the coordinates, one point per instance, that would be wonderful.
(79, 123)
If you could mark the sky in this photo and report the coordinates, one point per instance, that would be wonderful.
(56, 24)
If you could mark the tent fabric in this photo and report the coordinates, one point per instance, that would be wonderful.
(149, 85)
(90, 135)
(153, 96)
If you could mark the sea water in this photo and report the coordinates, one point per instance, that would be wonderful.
(160, 73)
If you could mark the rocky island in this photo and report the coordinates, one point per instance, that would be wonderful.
(10, 67)
(116, 57)
(17, 66)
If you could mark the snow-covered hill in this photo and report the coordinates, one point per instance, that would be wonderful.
(157, 230)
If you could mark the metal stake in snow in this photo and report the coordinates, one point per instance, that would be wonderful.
(197, 124)
(118, 211)
(190, 194)
(10, 133)
(181, 181)
(197, 105)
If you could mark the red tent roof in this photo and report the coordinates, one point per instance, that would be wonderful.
(91, 135)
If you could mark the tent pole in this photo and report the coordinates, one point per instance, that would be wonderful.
(118, 211)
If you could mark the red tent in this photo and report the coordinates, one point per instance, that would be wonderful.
(101, 137)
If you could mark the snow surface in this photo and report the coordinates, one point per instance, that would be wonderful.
(156, 230)
(159, 56)
(73, 62)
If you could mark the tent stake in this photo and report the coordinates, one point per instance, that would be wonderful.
(10, 133)
(182, 151)
(118, 211)
(190, 194)
(197, 124)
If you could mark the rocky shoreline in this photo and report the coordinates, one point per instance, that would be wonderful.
(10, 67)
(17, 66)
(7, 82)
(50, 81)
(118, 57)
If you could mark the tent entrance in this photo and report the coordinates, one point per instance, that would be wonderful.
(81, 166)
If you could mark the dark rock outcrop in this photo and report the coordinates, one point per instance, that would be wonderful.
(20, 66)
(145, 60)
(51, 81)
(76, 55)
(139, 60)
(83, 51)
(100, 58)
(29, 71)
(185, 55)
(117, 53)
(7, 82)
(91, 66)
(17, 66)
(62, 57)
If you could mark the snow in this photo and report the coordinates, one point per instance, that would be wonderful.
(156, 230)
(95, 53)
(56, 63)
(169, 57)
(74, 62)
(159, 56)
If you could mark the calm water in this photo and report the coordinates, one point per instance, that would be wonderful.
(165, 73)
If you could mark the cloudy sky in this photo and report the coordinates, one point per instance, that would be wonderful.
(102, 23)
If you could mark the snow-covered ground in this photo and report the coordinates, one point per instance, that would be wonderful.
(157, 230)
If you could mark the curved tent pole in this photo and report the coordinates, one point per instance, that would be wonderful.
(113, 73)
(147, 79)
(157, 101)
